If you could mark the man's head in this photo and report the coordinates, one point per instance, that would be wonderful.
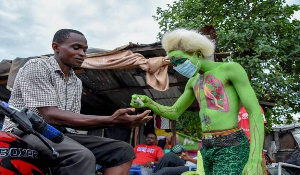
(61, 35)
(69, 47)
(178, 149)
(186, 49)
(151, 139)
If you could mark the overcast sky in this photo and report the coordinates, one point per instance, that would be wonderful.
(27, 26)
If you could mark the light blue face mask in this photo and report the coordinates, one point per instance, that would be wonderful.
(186, 69)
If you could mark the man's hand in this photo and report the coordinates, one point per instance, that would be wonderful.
(186, 157)
(138, 101)
(122, 118)
(149, 164)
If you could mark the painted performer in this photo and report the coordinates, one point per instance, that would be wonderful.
(219, 88)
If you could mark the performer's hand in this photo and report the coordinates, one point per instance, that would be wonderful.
(122, 118)
(139, 101)
(253, 168)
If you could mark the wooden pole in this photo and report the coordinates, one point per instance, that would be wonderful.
(173, 129)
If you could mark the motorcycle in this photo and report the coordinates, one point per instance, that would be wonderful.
(18, 157)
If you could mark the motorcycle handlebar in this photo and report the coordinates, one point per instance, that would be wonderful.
(29, 122)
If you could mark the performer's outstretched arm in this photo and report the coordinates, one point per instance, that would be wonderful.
(170, 112)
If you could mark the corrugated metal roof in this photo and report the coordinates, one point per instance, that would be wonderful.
(114, 88)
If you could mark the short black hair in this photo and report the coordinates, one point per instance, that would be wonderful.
(152, 133)
(63, 34)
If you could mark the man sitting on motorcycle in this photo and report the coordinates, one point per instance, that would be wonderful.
(50, 88)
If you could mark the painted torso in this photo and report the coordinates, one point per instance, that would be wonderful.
(217, 99)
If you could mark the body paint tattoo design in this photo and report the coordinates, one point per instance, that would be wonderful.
(163, 110)
(198, 85)
(176, 61)
(215, 95)
(205, 121)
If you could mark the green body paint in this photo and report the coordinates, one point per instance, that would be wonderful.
(219, 90)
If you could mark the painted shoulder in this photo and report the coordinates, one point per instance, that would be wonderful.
(192, 80)
(232, 67)
(231, 64)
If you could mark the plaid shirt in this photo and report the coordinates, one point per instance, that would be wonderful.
(40, 82)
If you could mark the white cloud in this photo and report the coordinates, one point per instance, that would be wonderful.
(296, 15)
(27, 26)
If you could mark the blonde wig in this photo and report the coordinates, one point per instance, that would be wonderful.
(189, 41)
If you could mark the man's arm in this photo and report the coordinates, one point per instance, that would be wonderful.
(160, 154)
(152, 163)
(121, 117)
(186, 157)
(170, 112)
(38, 91)
(240, 81)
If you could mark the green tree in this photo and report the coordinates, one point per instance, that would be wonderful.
(188, 123)
(260, 34)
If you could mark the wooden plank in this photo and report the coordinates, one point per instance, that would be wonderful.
(3, 82)
(79, 71)
(266, 103)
